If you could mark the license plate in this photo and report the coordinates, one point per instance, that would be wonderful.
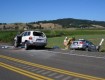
(39, 40)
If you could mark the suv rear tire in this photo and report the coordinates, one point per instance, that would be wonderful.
(26, 46)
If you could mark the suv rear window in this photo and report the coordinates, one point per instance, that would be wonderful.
(37, 34)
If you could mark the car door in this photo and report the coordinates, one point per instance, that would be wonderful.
(24, 35)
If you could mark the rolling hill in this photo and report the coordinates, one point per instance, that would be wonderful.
(55, 24)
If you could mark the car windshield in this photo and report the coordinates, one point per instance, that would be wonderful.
(37, 34)
(90, 43)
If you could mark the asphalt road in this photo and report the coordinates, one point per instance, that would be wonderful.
(49, 64)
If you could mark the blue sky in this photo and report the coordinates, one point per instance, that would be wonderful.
(12, 11)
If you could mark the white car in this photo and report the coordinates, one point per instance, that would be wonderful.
(84, 44)
(31, 38)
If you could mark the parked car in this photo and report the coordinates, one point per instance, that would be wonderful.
(31, 38)
(84, 45)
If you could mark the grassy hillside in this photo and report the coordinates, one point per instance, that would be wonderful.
(76, 23)
(54, 24)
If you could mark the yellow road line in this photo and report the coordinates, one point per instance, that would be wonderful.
(24, 72)
(54, 69)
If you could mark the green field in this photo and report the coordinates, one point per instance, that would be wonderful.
(7, 36)
(56, 37)
(58, 41)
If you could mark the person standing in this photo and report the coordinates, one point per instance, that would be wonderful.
(70, 40)
(65, 42)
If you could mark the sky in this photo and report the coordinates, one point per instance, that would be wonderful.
(13, 11)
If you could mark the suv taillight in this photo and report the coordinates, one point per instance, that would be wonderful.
(30, 38)
(81, 42)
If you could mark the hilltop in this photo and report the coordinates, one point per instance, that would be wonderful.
(54, 24)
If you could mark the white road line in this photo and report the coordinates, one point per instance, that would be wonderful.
(73, 54)
(52, 74)
(59, 76)
(35, 69)
(47, 72)
(76, 79)
(67, 78)
(40, 71)
(88, 56)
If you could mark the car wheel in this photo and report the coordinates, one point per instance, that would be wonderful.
(16, 44)
(43, 47)
(86, 49)
(26, 46)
